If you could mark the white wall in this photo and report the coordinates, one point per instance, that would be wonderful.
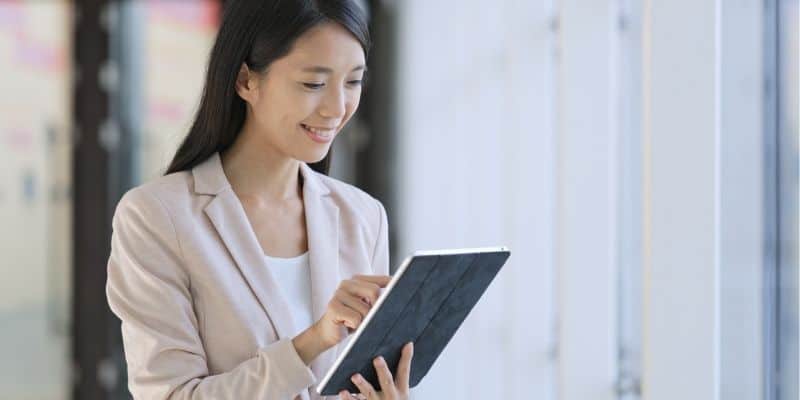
(616, 148)
(477, 144)
(681, 304)
(586, 213)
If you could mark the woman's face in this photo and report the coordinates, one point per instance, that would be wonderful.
(302, 101)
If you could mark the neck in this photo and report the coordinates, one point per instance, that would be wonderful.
(257, 171)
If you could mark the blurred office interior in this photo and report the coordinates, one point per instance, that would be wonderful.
(639, 158)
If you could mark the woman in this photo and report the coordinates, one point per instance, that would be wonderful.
(238, 274)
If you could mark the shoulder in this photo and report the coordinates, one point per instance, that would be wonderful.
(158, 195)
(354, 201)
(347, 193)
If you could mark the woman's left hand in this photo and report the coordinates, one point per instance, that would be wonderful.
(391, 389)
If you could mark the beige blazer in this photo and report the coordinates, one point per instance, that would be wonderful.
(202, 316)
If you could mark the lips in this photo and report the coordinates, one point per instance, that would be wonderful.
(322, 131)
(320, 135)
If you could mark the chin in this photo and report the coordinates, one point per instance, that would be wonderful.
(313, 157)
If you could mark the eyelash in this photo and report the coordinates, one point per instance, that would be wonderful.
(315, 86)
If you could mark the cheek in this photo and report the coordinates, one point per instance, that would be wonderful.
(303, 105)
(285, 104)
(355, 101)
(352, 106)
(290, 109)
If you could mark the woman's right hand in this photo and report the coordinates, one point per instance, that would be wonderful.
(349, 306)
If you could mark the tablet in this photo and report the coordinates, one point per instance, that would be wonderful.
(425, 302)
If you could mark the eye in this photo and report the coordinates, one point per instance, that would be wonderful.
(313, 85)
(355, 83)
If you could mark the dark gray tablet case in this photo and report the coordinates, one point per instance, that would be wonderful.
(427, 304)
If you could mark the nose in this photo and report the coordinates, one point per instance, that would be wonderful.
(333, 104)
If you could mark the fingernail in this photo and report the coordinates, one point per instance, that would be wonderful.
(356, 378)
(379, 360)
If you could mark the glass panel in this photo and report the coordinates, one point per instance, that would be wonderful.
(35, 207)
(176, 39)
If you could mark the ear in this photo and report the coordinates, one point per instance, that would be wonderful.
(247, 84)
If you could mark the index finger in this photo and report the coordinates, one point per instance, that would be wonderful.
(380, 280)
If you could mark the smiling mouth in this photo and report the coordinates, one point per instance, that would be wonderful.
(321, 132)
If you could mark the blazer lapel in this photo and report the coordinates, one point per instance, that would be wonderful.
(322, 227)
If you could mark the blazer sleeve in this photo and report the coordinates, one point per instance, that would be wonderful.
(380, 255)
(148, 288)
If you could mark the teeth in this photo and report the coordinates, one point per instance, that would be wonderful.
(320, 132)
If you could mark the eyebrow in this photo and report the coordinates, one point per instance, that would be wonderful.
(325, 70)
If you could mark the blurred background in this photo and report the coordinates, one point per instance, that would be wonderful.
(639, 157)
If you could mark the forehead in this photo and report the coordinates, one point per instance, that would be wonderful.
(328, 44)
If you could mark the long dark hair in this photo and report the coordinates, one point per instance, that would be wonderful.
(256, 32)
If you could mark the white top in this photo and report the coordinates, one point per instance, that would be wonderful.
(294, 278)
